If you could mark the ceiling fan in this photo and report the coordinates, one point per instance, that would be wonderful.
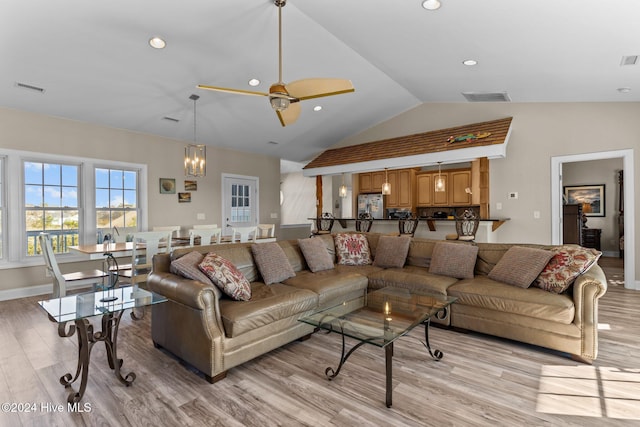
(285, 98)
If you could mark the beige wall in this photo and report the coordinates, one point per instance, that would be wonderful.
(539, 132)
(33, 132)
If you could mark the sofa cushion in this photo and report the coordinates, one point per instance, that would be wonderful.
(269, 304)
(226, 276)
(392, 251)
(489, 294)
(520, 266)
(412, 278)
(352, 249)
(567, 263)
(316, 254)
(272, 262)
(453, 260)
(187, 266)
(331, 285)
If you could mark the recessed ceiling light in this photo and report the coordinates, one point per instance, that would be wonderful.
(254, 82)
(317, 108)
(470, 62)
(624, 89)
(431, 4)
(157, 43)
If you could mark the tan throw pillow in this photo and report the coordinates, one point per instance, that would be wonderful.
(567, 264)
(352, 249)
(520, 266)
(187, 266)
(392, 251)
(272, 262)
(453, 260)
(226, 276)
(316, 254)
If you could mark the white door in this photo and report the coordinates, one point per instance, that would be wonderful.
(240, 202)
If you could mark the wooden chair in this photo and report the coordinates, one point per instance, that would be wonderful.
(408, 226)
(364, 223)
(266, 231)
(145, 246)
(243, 234)
(205, 234)
(75, 279)
(466, 227)
(324, 224)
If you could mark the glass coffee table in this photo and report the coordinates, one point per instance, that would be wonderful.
(380, 318)
(78, 308)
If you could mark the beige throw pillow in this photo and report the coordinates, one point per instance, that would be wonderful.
(520, 266)
(316, 254)
(453, 260)
(187, 266)
(392, 251)
(272, 262)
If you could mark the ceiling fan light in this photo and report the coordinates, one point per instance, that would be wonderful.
(279, 104)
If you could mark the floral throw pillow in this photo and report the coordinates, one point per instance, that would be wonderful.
(352, 249)
(567, 263)
(226, 276)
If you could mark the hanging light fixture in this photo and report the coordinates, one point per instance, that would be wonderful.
(386, 187)
(439, 181)
(195, 155)
(342, 191)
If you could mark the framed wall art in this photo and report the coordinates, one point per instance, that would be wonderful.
(190, 185)
(591, 197)
(184, 197)
(167, 186)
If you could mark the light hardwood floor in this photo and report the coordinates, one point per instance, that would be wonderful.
(480, 381)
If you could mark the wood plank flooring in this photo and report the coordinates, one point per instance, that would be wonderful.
(481, 380)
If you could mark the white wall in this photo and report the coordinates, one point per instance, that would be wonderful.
(539, 131)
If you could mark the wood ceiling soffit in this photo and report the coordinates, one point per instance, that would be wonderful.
(419, 143)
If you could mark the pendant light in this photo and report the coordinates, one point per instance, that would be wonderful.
(342, 191)
(439, 181)
(195, 155)
(386, 187)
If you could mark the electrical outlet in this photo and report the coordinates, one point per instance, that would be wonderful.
(536, 214)
(499, 206)
(201, 216)
(274, 215)
(513, 195)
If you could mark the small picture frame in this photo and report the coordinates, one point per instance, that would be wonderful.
(167, 186)
(190, 185)
(591, 197)
(184, 197)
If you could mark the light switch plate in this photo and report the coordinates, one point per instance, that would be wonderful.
(201, 216)
(499, 206)
(274, 215)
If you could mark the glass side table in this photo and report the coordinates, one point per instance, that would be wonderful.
(110, 304)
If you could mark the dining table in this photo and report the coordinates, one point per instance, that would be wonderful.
(97, 251)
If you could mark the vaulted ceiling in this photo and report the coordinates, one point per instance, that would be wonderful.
(95, 65)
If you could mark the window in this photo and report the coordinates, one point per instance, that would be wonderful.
(51, 205)
(116, 198)
(240, 203)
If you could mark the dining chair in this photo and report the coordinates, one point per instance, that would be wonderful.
(201, 226)
(173, 228)
(243, 234)
(75, 279)
(266, 231)
(146, 244)
(466, 227)
(205, 234)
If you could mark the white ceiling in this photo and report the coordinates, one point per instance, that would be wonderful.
(94, 62)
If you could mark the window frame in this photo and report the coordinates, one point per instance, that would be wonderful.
(3, 207)
(110, 209)
(14, 221)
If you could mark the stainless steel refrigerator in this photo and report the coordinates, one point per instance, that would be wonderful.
(372, 204)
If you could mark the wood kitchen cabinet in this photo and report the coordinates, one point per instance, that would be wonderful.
(371, 182)
(455, 181)
(402, 183)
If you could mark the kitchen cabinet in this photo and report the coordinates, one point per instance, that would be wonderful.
(456, 182)
(402, 183)
(371, 182)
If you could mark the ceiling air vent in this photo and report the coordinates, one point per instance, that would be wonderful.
(171, 119)
(30, 87)
(629, 60)
(486, 96)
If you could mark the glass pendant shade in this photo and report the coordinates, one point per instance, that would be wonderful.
(386, 187)
(439, 181)
(342, 191)
(195, 160)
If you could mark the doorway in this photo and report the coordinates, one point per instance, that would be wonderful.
(239, 201)
(629, 214)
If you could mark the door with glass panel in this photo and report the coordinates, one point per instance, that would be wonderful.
(240, 201)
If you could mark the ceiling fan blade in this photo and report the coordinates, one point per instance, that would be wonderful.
(290, 115)
(316, 88)
(238, 91)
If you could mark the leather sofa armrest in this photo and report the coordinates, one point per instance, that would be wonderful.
(587, 289)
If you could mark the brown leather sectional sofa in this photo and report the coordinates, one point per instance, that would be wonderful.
(213, 333)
